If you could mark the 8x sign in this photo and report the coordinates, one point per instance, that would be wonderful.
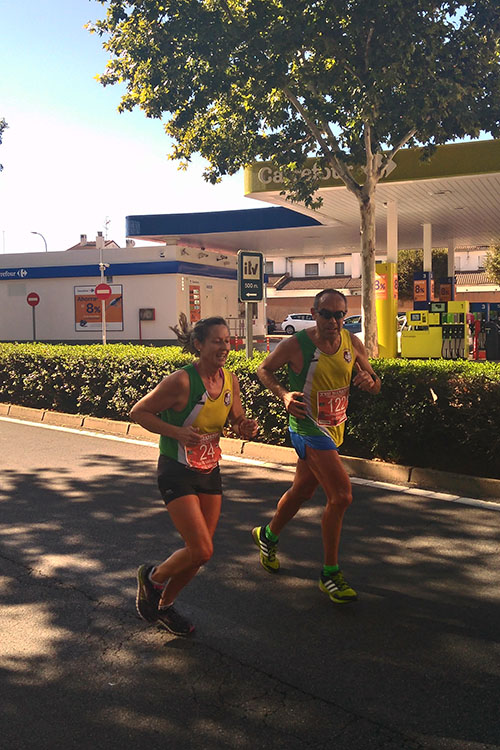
(250, 276)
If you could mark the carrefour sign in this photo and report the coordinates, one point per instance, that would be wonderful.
(13, 273)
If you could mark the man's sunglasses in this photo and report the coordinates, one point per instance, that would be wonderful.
(328, 314)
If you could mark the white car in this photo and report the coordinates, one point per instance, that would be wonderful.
(297, 322)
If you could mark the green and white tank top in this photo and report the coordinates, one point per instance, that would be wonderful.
(324, 380)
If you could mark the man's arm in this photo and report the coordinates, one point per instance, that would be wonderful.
(366, 378)
(287, 352)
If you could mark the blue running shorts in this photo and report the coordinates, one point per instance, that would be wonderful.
(319, 442)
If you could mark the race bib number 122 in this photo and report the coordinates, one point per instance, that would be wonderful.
(332, 406)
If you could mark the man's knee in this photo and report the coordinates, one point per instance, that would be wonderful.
(342, 498)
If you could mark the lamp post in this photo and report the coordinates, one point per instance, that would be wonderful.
(43, 238)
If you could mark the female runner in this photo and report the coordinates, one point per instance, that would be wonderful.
(188, 409)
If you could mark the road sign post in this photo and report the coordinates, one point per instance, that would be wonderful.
(103, 292)
(250, 289)
(33, 299)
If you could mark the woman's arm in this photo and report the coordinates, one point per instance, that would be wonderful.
(171, 393)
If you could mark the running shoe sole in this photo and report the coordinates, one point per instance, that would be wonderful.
(146, 609)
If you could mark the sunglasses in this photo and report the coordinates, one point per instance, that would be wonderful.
(328, 314)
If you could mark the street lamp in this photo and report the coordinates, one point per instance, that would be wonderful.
(43, 238)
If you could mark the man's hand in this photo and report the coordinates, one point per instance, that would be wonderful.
(294, 403)
(363, 379)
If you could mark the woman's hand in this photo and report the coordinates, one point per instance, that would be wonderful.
(188, 436)
(247, 428)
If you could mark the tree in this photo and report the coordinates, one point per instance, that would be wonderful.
(493, 263)
(410, 261)
(347, 81)
(3, 126)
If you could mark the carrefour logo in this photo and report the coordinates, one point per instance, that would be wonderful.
(21, 273)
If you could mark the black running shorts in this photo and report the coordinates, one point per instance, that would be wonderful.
(176, 480)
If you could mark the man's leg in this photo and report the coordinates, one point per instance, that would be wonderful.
(327, 467)
(302, 489)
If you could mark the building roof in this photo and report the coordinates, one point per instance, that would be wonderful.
(474, 278)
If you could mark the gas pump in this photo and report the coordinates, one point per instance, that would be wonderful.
(441, 331)
(480, 314)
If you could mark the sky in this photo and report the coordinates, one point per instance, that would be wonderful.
(72, 164)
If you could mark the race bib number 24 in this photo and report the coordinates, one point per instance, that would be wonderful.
(206, 455)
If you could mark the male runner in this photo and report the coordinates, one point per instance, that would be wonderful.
(320, 363)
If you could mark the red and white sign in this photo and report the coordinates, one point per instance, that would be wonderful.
(33, 299)
(103, 291)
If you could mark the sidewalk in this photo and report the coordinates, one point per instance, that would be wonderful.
(462, 485)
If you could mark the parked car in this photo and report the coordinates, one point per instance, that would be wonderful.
(297, 322)
(353, 323)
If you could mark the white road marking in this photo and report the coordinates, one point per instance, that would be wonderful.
(428, 494)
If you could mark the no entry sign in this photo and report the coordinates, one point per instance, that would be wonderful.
(103, 291)
(33, 299)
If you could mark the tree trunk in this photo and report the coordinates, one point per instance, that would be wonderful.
(367, 210)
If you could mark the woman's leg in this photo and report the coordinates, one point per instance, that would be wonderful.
(195, 518)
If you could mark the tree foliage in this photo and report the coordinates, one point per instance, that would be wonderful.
(411, 261)
(3, 126)
(347, 81)
(493, 263)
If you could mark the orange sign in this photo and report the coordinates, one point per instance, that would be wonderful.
(420, 290)
(88, 309)
(194, 303)
(380, 286)
(395, 286)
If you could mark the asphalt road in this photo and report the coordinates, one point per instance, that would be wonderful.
(274, 664)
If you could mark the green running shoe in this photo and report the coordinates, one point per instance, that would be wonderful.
(267, 549)
(337, 588)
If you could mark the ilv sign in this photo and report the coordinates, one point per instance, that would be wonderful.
(250, 276)
(250, 289)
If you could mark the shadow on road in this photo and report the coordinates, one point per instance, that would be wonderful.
(274, 663)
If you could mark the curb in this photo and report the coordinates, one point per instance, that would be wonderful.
(463, 485)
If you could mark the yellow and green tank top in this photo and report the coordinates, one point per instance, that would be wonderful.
(325, 381)
(208, 414)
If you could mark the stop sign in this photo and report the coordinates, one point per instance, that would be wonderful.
(33, 299)
(103, 291)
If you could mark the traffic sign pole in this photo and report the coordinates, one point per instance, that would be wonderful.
(103, 292)
(33, 299)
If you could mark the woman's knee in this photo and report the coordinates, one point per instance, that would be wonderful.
(201, 553)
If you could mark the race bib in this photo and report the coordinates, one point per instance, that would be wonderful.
(206, 455)
(332, 406)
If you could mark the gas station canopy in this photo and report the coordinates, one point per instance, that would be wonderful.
(456, 192)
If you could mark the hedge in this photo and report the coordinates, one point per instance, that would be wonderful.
(438, 414)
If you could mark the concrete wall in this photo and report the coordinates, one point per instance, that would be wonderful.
(167, 293)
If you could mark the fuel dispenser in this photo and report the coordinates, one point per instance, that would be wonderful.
(480, 314)
(443, 330)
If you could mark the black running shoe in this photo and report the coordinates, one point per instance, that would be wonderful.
(148, 597)
(172, 621)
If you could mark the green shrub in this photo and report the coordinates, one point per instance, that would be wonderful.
(436, 413)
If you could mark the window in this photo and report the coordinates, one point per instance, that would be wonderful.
(481, 262)
(269, 266)
(312, 269)
(339, 269)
